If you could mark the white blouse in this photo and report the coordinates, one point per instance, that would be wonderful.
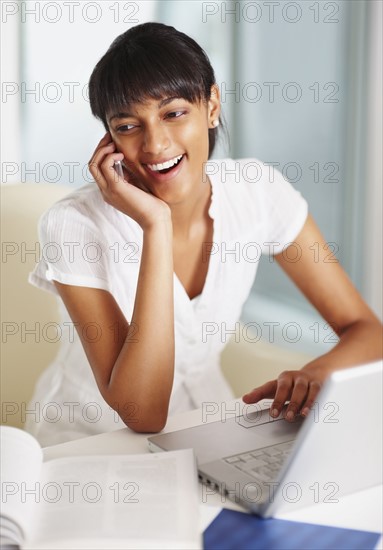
(86, 242)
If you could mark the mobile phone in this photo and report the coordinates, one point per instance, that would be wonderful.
(118, 168)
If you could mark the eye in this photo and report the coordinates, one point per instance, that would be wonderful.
(125, 128)
(175, 114)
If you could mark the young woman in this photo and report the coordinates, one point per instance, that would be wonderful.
(138, 271)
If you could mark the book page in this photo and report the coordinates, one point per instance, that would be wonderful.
(119, 501)
(21, 463)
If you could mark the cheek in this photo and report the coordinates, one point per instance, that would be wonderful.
(128, 148)
(196, 138)
(119, 143)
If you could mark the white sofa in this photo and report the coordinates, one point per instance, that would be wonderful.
(27, 346)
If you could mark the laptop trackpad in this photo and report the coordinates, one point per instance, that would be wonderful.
(218, 440)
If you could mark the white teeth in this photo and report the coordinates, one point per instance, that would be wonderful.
(163, 165)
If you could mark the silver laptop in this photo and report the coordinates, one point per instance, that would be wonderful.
(270, 465)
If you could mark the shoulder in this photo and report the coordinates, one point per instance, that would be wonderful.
(240, 184)
(246, 172)
(84, 210)
(241, 180)
(86, 201)
(252, 193)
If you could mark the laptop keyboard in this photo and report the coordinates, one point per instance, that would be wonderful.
(263, 464)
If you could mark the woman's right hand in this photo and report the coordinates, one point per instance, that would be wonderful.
(130, 198)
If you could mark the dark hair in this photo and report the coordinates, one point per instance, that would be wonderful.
(150, 60)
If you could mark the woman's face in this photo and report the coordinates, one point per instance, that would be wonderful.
(165, 144)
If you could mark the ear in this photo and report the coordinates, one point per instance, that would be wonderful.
(214, 107)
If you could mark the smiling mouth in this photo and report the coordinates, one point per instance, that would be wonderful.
(165, 167)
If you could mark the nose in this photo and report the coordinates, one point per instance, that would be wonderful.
(156, 139)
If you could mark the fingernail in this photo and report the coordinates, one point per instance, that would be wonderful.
(305, 411)
(290, 415)
(274, 412)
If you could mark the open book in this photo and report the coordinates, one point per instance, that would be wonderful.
(95, 502)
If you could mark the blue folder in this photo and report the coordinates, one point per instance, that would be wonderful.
(241, 531)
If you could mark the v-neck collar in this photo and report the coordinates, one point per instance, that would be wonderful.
(213, 259)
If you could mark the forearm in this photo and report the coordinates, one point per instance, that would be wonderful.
(359, 343)
(143, 372)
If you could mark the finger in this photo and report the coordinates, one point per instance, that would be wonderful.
(128, 169)
(284, 386)
(96, 164)
(101, 151)
(105, 140)
(314, 389)
(109, 172)
(266, 391)
(298, 396)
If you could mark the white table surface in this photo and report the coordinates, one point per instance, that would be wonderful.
(361, 510)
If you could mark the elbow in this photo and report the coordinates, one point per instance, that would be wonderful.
(146, 426)
(141, 410)
(147, 421)
(141, 418)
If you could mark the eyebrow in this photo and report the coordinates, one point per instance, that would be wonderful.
(126, 114)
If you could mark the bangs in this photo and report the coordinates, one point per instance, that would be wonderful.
(150, 61)
(132, 74)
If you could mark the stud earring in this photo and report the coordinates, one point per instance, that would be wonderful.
(215, 123)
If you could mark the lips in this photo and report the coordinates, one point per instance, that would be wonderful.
(165, 170)
(160, 167)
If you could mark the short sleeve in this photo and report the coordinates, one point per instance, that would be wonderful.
(284, 212)
(72, 250)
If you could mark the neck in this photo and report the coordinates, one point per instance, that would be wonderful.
(187, 216)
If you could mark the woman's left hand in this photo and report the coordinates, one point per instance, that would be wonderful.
(300, 387)
(330, 291)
